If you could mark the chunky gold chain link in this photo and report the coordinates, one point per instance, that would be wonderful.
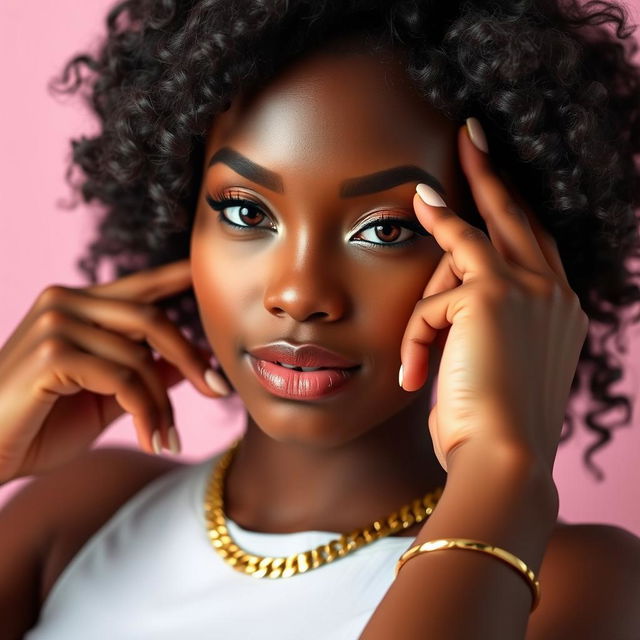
(284, 567)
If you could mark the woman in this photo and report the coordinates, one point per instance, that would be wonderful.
(419, 206)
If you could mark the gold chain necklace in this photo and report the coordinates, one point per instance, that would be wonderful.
(284, 567)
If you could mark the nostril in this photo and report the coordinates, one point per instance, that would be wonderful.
(320, 314)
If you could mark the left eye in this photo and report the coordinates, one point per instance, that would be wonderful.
(389, 229)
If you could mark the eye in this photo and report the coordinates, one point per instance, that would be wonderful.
(240, 209)
(383, 227)
(241, 213)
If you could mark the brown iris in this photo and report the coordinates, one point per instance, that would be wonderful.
(253, 214)
(387, 225)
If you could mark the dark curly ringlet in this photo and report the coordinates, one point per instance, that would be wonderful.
(552, 83)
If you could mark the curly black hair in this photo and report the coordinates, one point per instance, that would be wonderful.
(552, 83)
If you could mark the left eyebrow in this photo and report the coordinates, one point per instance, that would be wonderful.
(350, 188)
(386, 179)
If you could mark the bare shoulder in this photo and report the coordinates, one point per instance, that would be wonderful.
(85, 494)
(590, 585)
(100, 480)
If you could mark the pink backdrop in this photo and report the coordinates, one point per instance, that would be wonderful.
(39, 243)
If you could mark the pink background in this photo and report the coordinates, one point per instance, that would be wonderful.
(39, 243)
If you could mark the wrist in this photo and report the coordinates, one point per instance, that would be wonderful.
(508, 465)
(499, 496)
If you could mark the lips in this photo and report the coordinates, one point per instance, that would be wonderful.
(303, 355)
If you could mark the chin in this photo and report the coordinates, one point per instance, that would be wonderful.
(321, 432)
(316, 427)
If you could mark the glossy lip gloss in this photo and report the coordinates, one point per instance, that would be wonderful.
(299, 385)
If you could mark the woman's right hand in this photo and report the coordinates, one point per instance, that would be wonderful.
(81, 357)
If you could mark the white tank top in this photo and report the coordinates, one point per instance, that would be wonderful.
(150, 572)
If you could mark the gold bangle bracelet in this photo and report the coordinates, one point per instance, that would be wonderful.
(476, 545)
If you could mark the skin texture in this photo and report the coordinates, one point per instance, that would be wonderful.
(337, 463)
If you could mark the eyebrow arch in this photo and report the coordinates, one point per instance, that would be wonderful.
(386, 179)
(350, 188)
(247, 168)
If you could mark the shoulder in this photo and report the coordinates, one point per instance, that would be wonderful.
(94, 487)
(100, 479)
(105, 472)
(46, 522)
(590, 585)
(107, 464)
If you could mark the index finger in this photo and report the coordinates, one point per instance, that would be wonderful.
(149, 284)
(508, 226)
(546, 241)
(471, 250)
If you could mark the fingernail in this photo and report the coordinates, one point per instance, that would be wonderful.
(156, 443)
(400, 376)
(174, 441)
(430, 196)
(477, 135)
(216, 383)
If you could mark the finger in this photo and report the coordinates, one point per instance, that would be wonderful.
(168, 373)
(442, 278)
(546, 241)
(430, 316)
(118, 349)
(507, 223)
(471, 250)
(169, 376)
(137, 322)
(144, 286)
(148, 285)
(74, 370)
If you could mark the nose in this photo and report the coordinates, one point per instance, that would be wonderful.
(306, 286)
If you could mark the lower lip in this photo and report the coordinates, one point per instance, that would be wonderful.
(300, 385)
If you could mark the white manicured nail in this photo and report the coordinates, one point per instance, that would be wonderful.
(174, 441)
(477, 135)
(156, 442)
(216, 383)
(400, 376)
(430, 196)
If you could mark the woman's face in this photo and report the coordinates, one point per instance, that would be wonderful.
(304, 268)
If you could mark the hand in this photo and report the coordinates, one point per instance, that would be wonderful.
(515, 327)
(76, 362)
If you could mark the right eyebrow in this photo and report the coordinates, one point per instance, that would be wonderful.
(247, 168)
(352, 187)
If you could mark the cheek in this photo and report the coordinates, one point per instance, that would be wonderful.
(217, 286)
(389, 303)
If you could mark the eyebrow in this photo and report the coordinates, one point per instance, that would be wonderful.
(350, 188)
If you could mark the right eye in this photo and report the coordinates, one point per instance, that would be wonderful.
(244, 211)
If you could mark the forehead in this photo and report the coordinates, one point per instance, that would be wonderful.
(336, 110)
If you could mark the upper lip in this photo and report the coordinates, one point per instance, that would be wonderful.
(302, 355)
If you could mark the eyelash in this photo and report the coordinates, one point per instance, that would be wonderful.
(220, 201)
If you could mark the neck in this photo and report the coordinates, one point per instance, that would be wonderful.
(282, 487)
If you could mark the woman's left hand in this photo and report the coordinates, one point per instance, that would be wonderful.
(515, 326)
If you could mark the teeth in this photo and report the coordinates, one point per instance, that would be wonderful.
(289, 366)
